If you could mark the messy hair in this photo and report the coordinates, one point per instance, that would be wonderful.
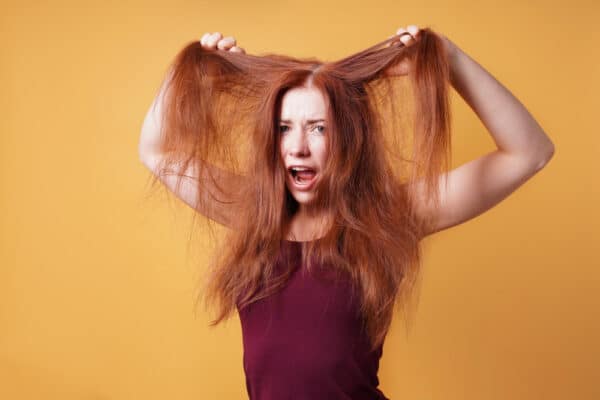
(386, 135)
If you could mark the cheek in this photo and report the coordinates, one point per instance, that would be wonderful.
(323, 152)
(281, 150)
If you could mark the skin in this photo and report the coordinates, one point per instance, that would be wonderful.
(523, 148)
(303, 141)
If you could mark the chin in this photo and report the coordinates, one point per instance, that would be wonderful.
(303, 198)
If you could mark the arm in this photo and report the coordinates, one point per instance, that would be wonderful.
(523, 148)
(512, 127)
(150, 137)
(149, 143)
(211, 201)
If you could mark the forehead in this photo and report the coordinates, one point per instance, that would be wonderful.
(303, 104)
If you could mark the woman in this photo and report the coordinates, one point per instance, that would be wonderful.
(326, 190)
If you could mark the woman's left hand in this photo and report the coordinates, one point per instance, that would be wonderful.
(408, 37)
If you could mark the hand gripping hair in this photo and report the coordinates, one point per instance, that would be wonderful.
(387, 133)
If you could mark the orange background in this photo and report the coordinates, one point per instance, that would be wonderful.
(96, 279)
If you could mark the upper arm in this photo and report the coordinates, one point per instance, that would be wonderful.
(476, 186)
(202, 192)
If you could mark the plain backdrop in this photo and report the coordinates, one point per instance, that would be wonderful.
(96, 278)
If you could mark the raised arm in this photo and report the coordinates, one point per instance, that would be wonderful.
(200, 190)
(523, 148)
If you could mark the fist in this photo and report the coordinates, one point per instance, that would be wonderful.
(216, 41)
(407, 37)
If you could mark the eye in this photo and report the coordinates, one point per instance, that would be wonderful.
(283, 128)
(319, 128)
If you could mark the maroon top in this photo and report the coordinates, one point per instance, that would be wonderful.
(306, 342)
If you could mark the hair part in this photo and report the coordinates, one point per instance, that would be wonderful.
(222, 109)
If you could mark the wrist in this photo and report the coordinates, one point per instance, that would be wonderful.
(450, 47)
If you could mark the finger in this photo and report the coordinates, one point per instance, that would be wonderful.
(213, 39)
(405, 36)
(236, 49)
(407, 39)
(396, 39)
(211, 42)
(226, 43)
(204, 38)
(400, 31)
(413, 30)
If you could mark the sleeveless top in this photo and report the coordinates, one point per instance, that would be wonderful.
(305, 342)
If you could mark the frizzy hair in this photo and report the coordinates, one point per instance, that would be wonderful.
(221, 109)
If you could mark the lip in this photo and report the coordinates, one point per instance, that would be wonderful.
(301, 166)
(302, 188)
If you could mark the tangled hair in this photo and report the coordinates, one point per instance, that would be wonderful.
(221, 112)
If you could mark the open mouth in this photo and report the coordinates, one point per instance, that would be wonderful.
(302, 176)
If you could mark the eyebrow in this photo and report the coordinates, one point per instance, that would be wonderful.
(310, 121)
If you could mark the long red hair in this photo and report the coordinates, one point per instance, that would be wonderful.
(222, 109)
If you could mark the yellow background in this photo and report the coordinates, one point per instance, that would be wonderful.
(96, 280)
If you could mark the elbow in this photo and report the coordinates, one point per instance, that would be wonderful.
(146, 150)
(550, 149)
(142, 153)
(550, 152)
(547, 155)
(146, 156)
(152, 160)
(148, 161)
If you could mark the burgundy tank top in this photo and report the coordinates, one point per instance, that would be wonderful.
(305, 341)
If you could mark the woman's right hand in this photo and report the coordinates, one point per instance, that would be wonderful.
(216, 41)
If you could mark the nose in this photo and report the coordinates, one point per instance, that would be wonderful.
(298, 145)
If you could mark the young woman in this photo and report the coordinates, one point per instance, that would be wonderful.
(327, 191)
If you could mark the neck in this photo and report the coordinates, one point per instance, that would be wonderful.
(306, 226)
(309, 212)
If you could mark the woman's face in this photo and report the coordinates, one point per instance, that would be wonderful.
(303, 131)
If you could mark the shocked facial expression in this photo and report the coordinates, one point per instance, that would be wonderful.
(303, 129)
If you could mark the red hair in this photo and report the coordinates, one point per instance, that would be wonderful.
(221, 109)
